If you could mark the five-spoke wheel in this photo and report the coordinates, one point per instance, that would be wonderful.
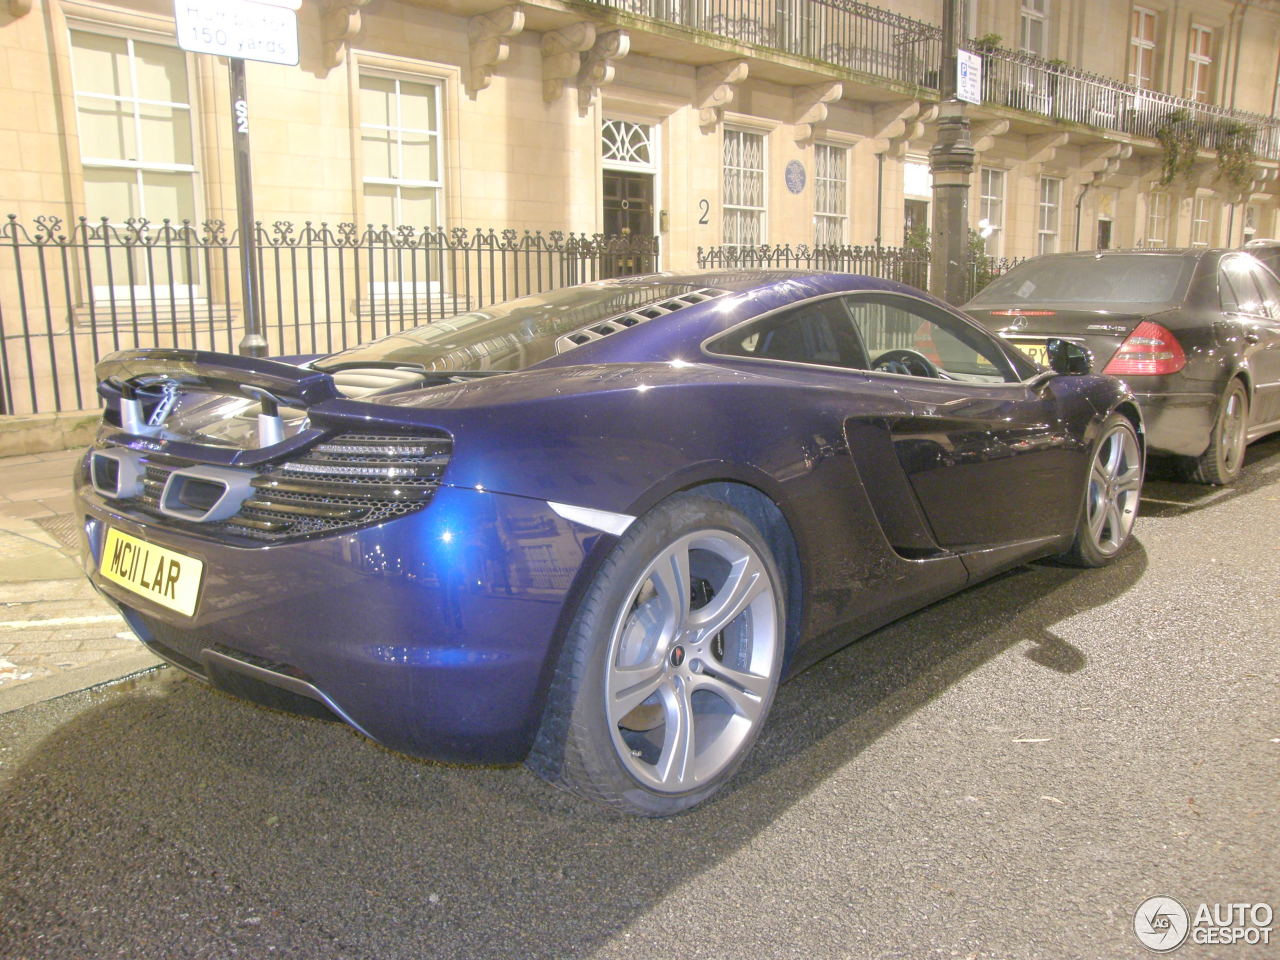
(1223, 461)
(691, 661)
(1111, 495)
(671, 662)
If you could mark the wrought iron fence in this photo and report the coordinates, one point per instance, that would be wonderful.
(69, 296)
(905, 264)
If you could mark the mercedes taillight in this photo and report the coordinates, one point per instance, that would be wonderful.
(1150, 350)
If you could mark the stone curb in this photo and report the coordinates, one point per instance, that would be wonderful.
(111, 670)
(47, 432)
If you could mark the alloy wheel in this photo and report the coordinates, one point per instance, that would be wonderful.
(1115, 484)
(691, 661)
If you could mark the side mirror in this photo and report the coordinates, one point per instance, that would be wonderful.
(1068, 358)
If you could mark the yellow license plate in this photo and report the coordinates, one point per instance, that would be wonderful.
(166, 577)
(1037, 350)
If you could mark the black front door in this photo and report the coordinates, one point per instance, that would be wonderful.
(628, 212)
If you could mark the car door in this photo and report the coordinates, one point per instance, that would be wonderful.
(952, 449)
(1251, 308)
(990, 460)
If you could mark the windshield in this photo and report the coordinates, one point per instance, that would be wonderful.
(511, 335)
(1095, 281)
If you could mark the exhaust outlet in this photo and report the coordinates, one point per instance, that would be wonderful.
(116, 474)
(205, 494)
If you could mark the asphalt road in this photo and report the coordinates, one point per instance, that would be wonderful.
(1005, 774)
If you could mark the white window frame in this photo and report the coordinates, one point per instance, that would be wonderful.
(1200, 63)
(651, 141)
(990, 202)
(1159, 208)
(1139, 46)
(760, 212)
(1203, 210)
(1034, 12)
(186, 293)
(411, 183)
(834, 223)
(380, 292)
(1049, 219)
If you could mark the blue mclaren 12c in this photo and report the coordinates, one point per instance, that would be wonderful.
(592, 529)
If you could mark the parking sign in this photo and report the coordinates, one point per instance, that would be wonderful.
(242, 29)
(968, 76)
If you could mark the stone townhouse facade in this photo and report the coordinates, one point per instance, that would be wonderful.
(705, 123)
(554, 115)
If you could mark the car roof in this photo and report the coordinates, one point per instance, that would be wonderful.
(1189, 252)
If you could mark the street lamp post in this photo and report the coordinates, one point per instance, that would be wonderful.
(951, 164)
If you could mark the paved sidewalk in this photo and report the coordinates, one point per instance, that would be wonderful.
(56, 634)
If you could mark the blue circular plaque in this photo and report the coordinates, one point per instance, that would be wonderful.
(795, 176)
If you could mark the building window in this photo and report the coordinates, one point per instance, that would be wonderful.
(133, 113)
(627, 145)
(1142, 47)
(400, 151)
(1250, 228)
(1033, 29)
(1158, 220)
(744, 194)
(1050, 214)
(1202, 221)
(991, 211)
(1200, 64)
(830, 190)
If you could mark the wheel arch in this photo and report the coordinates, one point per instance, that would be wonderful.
(1245, 376)
(1129, 409)
(746, 497)
(772, 523)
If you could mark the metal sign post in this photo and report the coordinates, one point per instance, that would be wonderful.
(254, 342)
(241, 30)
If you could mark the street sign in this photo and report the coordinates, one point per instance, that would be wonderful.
(968, 76)
(241, 29)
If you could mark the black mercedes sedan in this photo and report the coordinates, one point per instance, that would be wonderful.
(1195, 334)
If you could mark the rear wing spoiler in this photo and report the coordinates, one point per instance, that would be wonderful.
(204, 371)
(271, 383)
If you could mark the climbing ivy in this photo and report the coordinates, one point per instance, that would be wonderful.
(1179, 139)
(1234, 142)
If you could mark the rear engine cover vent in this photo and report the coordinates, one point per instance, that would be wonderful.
(631, 318)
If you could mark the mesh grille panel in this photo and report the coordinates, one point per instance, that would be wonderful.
(351, 480)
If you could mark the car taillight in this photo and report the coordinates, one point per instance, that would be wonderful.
(1024, 313)
(1150, 350)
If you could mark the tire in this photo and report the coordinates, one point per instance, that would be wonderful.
(1111, 495)
(1223, 461)
(670, 664)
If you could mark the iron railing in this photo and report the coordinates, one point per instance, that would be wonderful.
(1060, 92)
(907, 265)
(70, 296)
(866, 39)
(845, 33)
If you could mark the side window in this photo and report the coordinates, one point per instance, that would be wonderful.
(819, 332)
(914, 338)
(1238, 291)
(1269, 290)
